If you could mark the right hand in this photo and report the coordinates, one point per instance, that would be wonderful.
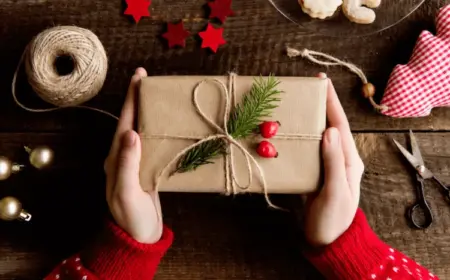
(330, 212)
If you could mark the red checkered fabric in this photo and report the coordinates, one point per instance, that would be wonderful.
(424, 83)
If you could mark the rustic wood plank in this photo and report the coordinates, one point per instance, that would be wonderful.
(223, 237)
(256, 37)
(388, 189)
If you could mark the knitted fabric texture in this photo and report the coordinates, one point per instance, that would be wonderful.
(357, 254)
(115, 255)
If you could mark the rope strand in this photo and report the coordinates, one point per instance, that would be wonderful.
(231, 181)
(63, 91)
(329, 60)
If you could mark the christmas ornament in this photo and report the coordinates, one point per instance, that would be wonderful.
(11, 209)
(220, 9)
(414, 89)
(320, 58)
(176, 35)
(137, 9)
(212, 37)
(269, 129)
(7, 168)
(40, 157)
(266, 149)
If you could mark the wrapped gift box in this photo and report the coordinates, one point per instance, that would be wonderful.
(169, 122)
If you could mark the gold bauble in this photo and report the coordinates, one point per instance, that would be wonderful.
(11, 209)
(5, 168)
(40, 157)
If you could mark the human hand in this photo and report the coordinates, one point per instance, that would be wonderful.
(134, 210)
(330, 212)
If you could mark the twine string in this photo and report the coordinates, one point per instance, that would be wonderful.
(328, 60)
(63, 91)
(231, 182)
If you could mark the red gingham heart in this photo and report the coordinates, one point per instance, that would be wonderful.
(424, 83)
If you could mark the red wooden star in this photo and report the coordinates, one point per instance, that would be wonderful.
(212, 37)
(220, 9)
(137, 9)
(176, 35)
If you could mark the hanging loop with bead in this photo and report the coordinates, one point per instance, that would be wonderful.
(368, 89)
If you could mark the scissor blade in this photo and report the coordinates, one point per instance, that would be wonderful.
(415, 148)
(411, 159)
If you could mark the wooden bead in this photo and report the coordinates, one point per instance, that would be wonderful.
(368, 90)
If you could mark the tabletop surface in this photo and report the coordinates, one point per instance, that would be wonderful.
(217, 237)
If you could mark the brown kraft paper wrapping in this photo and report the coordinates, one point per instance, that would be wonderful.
(166, 108)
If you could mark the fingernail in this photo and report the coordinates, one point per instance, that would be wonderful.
(140, 72)
(322, 75)
(332, 136)
(129, 139)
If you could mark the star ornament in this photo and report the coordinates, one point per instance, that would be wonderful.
(212, 37)
(137, 9)
(176, 35)
(220, 9)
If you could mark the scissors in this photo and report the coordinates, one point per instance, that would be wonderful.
(422, 174)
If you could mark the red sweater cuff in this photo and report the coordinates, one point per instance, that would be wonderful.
(116, 255)
(353, 254)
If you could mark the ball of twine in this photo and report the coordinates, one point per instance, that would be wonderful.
(86, 54)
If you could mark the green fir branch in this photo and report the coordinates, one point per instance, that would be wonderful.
(256, 105)
(200, 155)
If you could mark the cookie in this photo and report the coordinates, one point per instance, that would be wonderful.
(360, 11)
(319, 8)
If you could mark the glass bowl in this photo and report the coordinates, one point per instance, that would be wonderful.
(388, 14)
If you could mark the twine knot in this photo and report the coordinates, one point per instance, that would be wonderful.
(231, 182)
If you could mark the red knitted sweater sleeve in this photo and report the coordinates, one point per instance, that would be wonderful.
(114, 256)
(360, 254)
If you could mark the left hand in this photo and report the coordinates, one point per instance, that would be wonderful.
(330, 212)
(136, 211)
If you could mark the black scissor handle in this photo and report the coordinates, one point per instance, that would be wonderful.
(420, 205)
(428, 215)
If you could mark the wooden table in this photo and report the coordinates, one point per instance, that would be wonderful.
(216, 237)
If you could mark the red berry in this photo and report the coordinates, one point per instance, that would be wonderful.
(269, 129)
(267, 150)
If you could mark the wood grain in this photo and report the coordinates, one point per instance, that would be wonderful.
(216, 237)
(388, 189)
(256, 38)
(222, 237)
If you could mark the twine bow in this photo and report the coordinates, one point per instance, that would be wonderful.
(231, 182)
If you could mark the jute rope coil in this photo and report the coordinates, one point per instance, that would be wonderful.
(86, 79)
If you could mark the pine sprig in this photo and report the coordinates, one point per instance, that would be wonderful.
(256, 105)
(200, 155)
